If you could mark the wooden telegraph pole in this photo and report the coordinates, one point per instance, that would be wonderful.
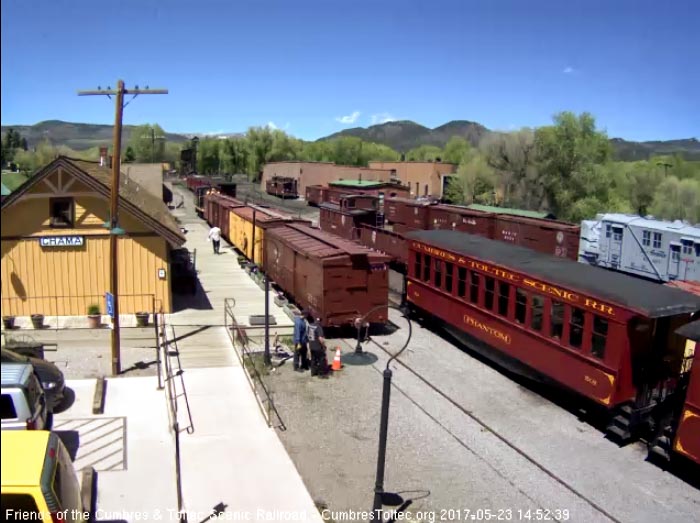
(114, 229)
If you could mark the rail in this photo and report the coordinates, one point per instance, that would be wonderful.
(172, 373)
(252, 361)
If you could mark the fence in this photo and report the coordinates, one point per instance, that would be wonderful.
(248, 344)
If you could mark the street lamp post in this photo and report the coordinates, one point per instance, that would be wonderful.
(384, 418)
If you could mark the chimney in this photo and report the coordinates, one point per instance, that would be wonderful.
(360, 177)
(103, 156)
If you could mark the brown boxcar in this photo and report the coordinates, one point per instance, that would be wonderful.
(346, 221)
(314, 195)
(548, 236)
(391, 243)
(605, 335)
(337, 280)
(216, 210)
(414, 213)
(457, 218)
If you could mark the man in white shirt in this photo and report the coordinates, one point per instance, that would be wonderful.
(215, 237)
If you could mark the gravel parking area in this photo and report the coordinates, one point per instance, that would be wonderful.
(522, 452)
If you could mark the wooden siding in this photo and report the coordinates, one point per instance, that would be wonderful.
(65, 280)
(241, 236)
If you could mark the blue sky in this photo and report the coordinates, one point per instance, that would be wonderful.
(316, 67)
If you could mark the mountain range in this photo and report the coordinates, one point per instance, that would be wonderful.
(399, 135)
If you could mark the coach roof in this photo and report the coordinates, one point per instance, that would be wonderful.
(651, 299)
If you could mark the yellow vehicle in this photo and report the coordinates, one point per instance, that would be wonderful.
(39, 482)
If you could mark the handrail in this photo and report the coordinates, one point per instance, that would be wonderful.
(263, 394)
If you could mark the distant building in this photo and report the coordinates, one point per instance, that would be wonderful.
(55, 247)
(319, 173)
(654, 249)
(424, 178)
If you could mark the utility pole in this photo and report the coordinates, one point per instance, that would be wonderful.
(114, 229)
(665, 165)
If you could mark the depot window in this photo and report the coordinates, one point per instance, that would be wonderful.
(657, 240)
(520, 305)
(556, 320)
(576, 327)
(600, 337)
(490, 286)
(687, 246)
(646, 238)
(426, 268)
(474, 288)
(62, 212)
(438, 274)
(503, 298)
(461, 281)
(449, 273)
(537, 312)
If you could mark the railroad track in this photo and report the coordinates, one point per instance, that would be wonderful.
(396, 298)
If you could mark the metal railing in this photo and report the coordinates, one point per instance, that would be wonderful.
(168, 378)
(252, 362)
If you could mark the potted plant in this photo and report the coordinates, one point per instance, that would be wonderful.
(8, 322)
(280, 300)
(94, 315)
(142, 319)
(37, 321)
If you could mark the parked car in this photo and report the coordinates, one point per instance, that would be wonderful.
(39, 481)
(23, 400)
(50, 376)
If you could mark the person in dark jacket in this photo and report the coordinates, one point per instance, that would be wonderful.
(317, 346)
(301, 342)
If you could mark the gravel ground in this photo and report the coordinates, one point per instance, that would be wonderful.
(541, 456)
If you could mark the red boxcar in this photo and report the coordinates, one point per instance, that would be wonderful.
(337, 280)
(605, 335)
(391, 243)
(414, 213)
(197, 180)
(456, 218)
(548, 236)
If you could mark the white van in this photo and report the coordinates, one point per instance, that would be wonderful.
(23, 400)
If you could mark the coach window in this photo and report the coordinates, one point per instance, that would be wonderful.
(557, 320)
(418, 266)
(520, 305)
(426, 268)
(537, 312)
(503, 298)
(461, 281)
(438, 274)
(449, 270)
(600, 336)
(490, 286)
(474, 288)
(576, 327)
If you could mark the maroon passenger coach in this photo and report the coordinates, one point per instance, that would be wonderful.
(607, 336)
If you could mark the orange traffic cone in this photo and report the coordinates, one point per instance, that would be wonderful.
(337, 365)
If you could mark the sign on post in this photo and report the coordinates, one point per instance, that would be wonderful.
(109, 298)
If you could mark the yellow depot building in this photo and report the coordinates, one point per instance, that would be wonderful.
(55, 247)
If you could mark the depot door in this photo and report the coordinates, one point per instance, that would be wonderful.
(674, 260)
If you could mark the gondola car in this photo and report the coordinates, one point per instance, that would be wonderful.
(337, 280)
(606, 336)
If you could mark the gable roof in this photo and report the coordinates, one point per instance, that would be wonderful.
(133, 198)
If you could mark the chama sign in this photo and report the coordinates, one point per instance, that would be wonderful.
(62, 241)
